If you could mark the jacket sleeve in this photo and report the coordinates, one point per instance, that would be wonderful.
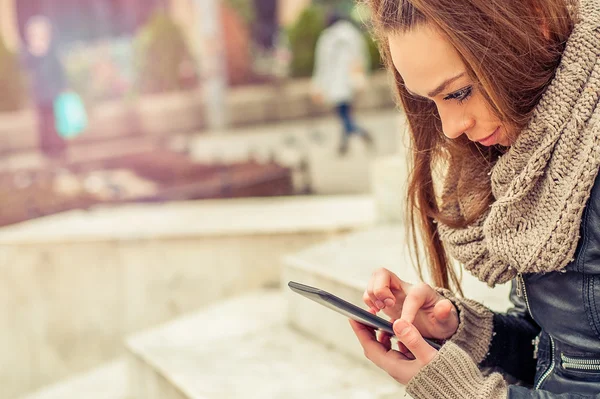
(515, 392)
(453, 374)
(513, 341)
(501, 341)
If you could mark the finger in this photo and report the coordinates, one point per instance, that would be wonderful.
(444, 311)
(383, 282)
(367, 300)
(370, 290)
(446, 316)
(414, 342)
(404, 350)
(418, 296)
(386, 340)
(374, 351)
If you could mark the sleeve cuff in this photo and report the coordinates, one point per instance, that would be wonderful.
(475, 328)
(453, 374)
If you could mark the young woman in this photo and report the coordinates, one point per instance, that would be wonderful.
(502, 99)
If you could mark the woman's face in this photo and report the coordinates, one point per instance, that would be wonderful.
(432, 68)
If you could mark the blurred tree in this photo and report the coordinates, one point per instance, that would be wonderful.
(161, 53)
(303, 36)
(11, 80)
(244, 8)
(376, 61)
(343, 6)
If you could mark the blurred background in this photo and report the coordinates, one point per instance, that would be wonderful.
(166, 166)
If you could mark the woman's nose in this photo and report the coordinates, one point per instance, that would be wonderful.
(455, 124)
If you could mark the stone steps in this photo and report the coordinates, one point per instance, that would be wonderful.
(145, 265)
(243, 348)
(106, 382)
(270, 343)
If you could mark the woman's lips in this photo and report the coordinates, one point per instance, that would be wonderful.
(491, 139)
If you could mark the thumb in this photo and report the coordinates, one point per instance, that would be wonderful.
(443, 310)
(413, 340)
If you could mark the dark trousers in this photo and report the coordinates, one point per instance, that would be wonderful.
(344, 111)
(50, 142)
(350, 127)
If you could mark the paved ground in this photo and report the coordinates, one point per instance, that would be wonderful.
(260, 142)
(310, 147)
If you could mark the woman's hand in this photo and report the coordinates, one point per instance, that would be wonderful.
(414, 352)
(432, 314)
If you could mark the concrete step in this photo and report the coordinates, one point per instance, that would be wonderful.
(343, 267)
(145, 264)
(106, 382)
(243, 348)
(389, 185)
(332, 173)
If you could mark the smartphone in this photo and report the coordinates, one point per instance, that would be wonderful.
(347, 309)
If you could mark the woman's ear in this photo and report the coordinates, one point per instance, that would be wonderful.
(545, 30)
(543, 23)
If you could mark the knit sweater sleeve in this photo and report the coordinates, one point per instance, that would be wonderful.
(453, 374)
(475, 328)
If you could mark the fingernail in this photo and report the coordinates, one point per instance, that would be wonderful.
(379, 304)
(389, 302)
(402, 327)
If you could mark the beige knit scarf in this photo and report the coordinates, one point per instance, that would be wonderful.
(542, 183)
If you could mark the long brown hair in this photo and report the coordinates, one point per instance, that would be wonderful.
(511, 49)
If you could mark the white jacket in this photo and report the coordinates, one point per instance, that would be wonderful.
(341, 58)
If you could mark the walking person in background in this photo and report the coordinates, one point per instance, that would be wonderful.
(48, 81)
(341, 64)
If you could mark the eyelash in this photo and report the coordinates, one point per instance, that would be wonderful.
(461, 95)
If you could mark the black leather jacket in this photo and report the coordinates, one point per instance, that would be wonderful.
(551, 338)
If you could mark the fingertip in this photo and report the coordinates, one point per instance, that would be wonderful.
(401, 327)
(442, 310)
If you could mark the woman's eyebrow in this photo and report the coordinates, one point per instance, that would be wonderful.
(438, 89)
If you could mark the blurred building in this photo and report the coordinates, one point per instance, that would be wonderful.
(79, 20)
(90, 19)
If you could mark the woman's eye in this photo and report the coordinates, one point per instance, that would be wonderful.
(461, 95)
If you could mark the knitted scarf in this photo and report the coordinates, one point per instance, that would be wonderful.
(542, 183)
